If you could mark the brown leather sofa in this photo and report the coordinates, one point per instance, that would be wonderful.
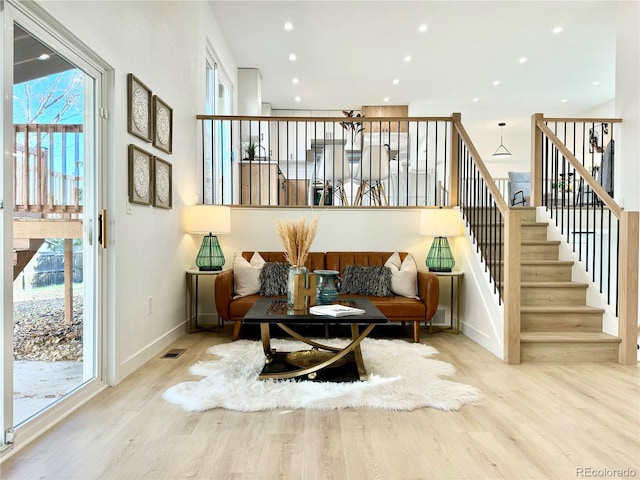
(396, 308)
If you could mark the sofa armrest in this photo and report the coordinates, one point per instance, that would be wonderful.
(429, 291)
(223, 292)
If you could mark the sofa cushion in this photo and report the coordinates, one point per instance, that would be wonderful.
(273, 279)
(404, 275)
(366, 280)
(246, 275)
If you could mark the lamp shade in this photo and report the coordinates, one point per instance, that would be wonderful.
(203, 219)
(440, 222)
(207, 220)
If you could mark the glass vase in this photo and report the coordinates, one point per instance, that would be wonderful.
(295, 270)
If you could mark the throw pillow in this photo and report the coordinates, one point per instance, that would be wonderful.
(404, 275)
(246, 275)
(273, 279)
(365, 280)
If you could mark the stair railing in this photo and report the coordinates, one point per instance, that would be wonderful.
(600, 232)
(495, 229)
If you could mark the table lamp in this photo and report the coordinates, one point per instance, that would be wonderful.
(440, 223)
(207, 220)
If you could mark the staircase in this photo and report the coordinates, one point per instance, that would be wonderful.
(23, 251)
(556, 324)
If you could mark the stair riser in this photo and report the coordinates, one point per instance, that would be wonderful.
(560, 322)
(534, 232)
(569, 352)
(549, 296)
(546, 273)
(528, 232)
(539, 252)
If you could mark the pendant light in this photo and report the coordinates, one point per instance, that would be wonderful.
(501, 150)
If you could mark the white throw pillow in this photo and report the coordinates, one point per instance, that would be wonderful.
(404, 275)
(246, 275)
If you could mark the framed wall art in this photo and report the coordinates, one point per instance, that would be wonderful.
(162, 190)
(139, 105)
(140, 176)
(162, 125)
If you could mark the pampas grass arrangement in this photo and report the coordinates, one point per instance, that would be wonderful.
(296, 237)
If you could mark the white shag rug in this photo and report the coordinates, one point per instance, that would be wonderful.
(401, 377)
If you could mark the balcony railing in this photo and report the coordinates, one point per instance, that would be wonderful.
(48, 168)
(332, 161)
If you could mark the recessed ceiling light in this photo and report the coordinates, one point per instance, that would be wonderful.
(295, 80)
(423, 28)
(496, 82)
(407, 58)
(288, 26)
(595, 84)
(385, 99)
(522, 59)
(396, 81)
(564, 100)
(44, 56)
(292, 57)
(297, 99)
(476, 100)
(557, 30)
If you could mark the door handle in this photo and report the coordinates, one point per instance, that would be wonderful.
(102, 228)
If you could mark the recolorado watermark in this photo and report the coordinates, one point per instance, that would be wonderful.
(600, 472)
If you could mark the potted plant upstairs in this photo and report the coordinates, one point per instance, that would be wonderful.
(250, 148)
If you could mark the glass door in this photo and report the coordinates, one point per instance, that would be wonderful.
(53, 198)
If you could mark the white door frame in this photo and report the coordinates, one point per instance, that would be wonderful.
(35, 19)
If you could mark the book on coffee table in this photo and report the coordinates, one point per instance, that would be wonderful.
(335, 310)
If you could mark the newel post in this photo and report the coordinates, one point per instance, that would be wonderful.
(511, 286)
(536, 161)
(628, 284)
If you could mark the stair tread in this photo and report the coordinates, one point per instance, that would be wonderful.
(560, 309)
(545, 262)
(568, 337)
(540, 242)
(553, 284)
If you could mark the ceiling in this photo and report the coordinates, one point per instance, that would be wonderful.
(28, 63)
(349, 52)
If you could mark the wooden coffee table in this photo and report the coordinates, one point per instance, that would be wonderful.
(320, 358)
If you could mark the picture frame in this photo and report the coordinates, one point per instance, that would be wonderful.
(140, 176)
(162, 125)
(162, 183)
(139, 109)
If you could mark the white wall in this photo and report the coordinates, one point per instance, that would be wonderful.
(163, 44)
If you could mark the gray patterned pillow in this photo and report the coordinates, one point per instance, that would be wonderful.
(273, 279)
(365, 280)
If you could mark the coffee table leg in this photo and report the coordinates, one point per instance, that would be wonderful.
(357, 352)
(265, 335)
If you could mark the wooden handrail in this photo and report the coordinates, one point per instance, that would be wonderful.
(584, 173)
(584, 120)
(322, 119)
(488, 179)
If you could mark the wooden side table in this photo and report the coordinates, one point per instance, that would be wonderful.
(192, 300)
(457, 276)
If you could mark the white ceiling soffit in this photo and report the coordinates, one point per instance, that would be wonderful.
(348, 53)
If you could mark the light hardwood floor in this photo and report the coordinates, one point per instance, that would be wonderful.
(540, 421)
